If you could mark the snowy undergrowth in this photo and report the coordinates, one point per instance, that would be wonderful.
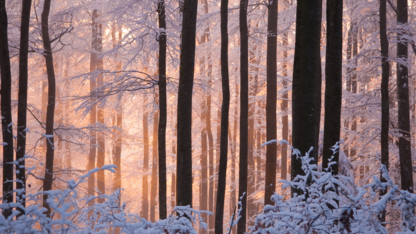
(71, 214)
(319, 209)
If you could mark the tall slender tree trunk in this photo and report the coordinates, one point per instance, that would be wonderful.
(22, 103)
(385, 108)
(405, 151)
(306, 84)
(100, 111)
(47, 182)
(242, 190)
(225, 108)
(333, 86)
(154, 183)
(93, 113)
(145, 186)
(271, 151)
(284, 108)
(6, 110)
(234, 156)
(163, 111)
(186, 81)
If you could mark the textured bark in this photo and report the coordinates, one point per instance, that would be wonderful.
(145, 185)
(186, 81)
(333, 85)
(162, 111)
(48, 179)
(242, 187)
(225, 108)
(385, 108)
(306, 93)
(284, 109)
(271, 151)
(93, 113)
(6, 110)
(405, 151)
(22, 103)
(154, 183)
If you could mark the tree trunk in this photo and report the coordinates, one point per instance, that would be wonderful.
(22, 103)
(145, 201)
(153, 187)
(284, 109)
(100, 110)
(385, 108)
(47, 182)
(306, 84)
(225, 108)
(93, 113)
(271, 151)
(162, 109)
(405, 153)
(6, 110)
(333, 86)
(242, 190)
(186, 80)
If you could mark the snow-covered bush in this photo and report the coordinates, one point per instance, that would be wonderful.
(322, 210)
(72, 214)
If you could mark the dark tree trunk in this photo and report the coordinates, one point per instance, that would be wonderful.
(93, 113)
(145, 201)
(22, 103)
(186, 81)
(162, 109)
(271, 151)
(333, 86)
(154, 183)
(47, 182)
(6, 110)
(306, 93)
(225, 108)
(405, 151)
(242, 190)
(100, 110)
(385, 108)
(284, 109)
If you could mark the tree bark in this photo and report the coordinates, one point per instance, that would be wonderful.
(284, 109)
(6, 110)
(225, 108)
(242, 187)
(22, 103)
(47, 182)
(333, 86)
(162, 111)
(306, 93)
(186, 78)
(271, 151)
(405, 152)
(385, 108)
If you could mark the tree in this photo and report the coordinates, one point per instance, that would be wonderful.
(6, 110)
(145, 186)
(333, 85)
(306, 91)
(385, 108)
(48, 179)
(154, 180)
(225, 108)
(271, 153)
(186, 80)
(162, 111)
(242, 184)
(22, 103)
(405, 151)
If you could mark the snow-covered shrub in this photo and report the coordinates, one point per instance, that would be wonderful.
(322, 210)
(72, 214)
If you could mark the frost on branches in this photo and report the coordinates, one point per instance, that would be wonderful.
(321, 210)
(71, 214)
